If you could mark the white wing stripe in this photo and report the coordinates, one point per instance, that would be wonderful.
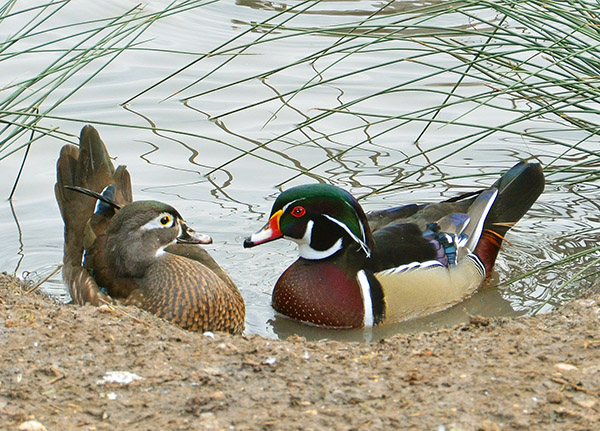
(432, 263)
(365, 291)
(411, 266)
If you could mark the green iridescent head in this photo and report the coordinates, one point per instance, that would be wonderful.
(321, 218)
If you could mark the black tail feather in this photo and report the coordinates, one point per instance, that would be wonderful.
(518, 189)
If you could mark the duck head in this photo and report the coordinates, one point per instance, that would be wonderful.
(322, 219)
(140, 231)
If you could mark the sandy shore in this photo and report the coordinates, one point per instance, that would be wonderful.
(58, 365)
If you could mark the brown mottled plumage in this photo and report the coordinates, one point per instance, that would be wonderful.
(195, 305)
(124, 250)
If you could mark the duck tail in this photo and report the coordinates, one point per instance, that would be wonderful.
(517, 189)
(86, 166)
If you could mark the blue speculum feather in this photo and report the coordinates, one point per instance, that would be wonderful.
(103, 208)
(446, 244)
(456, 222)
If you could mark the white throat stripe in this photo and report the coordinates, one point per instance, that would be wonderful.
(307, 252)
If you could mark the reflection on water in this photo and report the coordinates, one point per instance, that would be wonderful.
(221, 139)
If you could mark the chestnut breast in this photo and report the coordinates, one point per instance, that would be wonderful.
(321, 293)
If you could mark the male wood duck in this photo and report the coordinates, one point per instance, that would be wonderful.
(358, 270)
(140, 253)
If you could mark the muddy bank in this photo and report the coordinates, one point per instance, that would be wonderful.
(489, 374)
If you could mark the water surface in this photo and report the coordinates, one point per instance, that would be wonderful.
(226, 165)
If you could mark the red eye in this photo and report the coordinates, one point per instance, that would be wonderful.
(298, 211)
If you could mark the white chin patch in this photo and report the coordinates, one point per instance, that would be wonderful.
(162, 251)
(307, 252)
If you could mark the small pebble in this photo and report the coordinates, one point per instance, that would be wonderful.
(217, 395)
(122, 377)
(588, 403)
(488, 425)
(565, 367)
(555, 397)
(32, 426)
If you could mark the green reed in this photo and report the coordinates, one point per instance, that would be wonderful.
(526, 61)
(87, 49)
(534, 59)
(518, 62)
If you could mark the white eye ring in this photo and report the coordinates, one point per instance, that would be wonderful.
(163, 221)
(166, 220)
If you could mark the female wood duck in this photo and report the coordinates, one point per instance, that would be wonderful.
(358, 270)
(140, 253)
